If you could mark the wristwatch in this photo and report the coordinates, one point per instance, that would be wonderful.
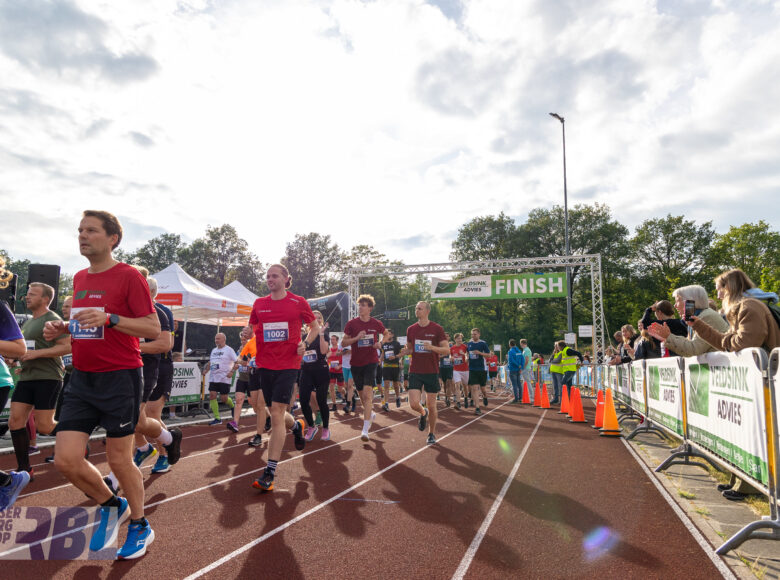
(112, 320)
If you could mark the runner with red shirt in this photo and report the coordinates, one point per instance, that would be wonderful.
(460, 367)
(425, 341)
(364, 333)
(112, 308)
(277, 320)
(492, 364)
(334, 368)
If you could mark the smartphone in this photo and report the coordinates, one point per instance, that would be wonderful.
(690, 309)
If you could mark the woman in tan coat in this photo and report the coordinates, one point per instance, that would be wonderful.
(751, 323)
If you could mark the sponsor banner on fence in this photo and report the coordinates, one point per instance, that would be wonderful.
(725, 397)
(51, 533)
(637, 386)
(547, 285)
(663, 393)
(623, 383)
(186, 383)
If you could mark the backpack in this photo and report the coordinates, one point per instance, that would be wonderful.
(775, 310)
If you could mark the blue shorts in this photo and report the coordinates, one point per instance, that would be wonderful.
(347, 374)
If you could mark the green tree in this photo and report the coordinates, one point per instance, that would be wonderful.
(311, 259)
(216, 258)
(754, 248)
(160, 252)
(485, 238)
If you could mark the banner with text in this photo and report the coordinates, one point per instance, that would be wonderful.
(725, 397)
(637, 386)
(500, 286)
(186, 383)
(663, 393)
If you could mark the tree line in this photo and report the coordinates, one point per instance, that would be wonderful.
(637, 269)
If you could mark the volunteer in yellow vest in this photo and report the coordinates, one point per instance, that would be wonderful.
(565, 363)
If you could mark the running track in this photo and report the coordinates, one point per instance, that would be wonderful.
(518, 491)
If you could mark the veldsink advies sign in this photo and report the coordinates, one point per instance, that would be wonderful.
(499, 286)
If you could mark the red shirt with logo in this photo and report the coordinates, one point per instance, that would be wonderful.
(418, 339)
(460, 353)
(119, 290)
(277, 325)
(334, 360)
(364, 350)
(492, 362)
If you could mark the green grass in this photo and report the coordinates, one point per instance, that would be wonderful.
(703, 511)
(686, 494)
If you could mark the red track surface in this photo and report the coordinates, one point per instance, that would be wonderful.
(394, 508)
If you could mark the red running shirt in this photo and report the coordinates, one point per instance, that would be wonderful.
(119, 290)
(277, 325)
(492, 362)
(334, 360)
(418, 338)
(364, 350)
(459, 353)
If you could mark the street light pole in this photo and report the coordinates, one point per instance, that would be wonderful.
(566, 225)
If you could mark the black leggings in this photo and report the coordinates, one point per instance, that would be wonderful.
(315, 380)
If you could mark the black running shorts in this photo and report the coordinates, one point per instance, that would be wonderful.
(277, 386)
(41, 394)
(364, 376)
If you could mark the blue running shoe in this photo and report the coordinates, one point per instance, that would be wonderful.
(110, 519)
(162, 465)
(215, 422)
(138, 539)
(10, 492)
(141, 456)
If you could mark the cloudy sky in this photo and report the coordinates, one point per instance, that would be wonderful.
(387, 122)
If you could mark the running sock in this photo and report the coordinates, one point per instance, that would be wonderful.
(140, 521)
(215, 408)
(21, 441)
(271, 467)
(113, 501)
(114, 480)
(144, 448)
(165, 437)
(230, 403)
(366, 426)
(296, 427)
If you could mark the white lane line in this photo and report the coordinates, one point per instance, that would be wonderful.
(318, 507)
(697, 535)
(468, 557)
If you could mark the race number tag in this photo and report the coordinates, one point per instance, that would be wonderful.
(252, 363)
(243, 368)
(310, 356)
(30, 344)
(422, 345)
(334, 365)
(214, 366)
(457, 360)
(473, 355)
(275, 332)
(84, 333)
(67, 360)
(446, 361)
(388, 354)
(368, 340)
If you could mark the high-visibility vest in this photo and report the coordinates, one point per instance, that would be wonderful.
(556, 367)
(568, 362)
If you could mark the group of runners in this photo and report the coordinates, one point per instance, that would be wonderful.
(119, 341)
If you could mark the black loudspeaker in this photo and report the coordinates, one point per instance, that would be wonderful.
(48, 274)
(9, 292)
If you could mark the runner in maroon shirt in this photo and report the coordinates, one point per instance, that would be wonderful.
(276, 320)
(364, 334)
(112, 308)
(425, 341)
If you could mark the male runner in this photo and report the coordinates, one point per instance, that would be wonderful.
(425, 341)
(363, 334)
(41, 378)
(247, 357)
(460, 366)
(219, 366)
(492, 365)
(478, 352)
(391, 370)
(446, 375)
(112, 308)
(334, 370)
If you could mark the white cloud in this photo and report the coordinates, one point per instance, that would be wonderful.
(370, 121)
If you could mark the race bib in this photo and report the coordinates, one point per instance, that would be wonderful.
(214, 366)
(368, 340)
(252, 363)
(422, 345)
(457, 360)
(388, 354)
(334, 365)
(79, 333)
(243, 369)
(275, 332)
(310, 356)
(30, 344)
(446, 361)
(473, 355)
(67, 360)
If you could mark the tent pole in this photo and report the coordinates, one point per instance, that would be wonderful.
(184, 338)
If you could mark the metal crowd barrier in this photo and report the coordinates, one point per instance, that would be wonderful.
(724, 408)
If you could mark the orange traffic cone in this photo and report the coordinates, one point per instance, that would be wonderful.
(545, 399)
(526, 399)
(577, 414)
(564, 401)
(537, 396)
(611, 427)
(599, 411)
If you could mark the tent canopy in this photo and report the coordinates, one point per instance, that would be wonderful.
(238, 292)
(193, 301)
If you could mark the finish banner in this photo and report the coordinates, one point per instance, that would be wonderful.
(500, 286)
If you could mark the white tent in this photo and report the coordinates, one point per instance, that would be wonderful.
(193, 301)
(237, 291)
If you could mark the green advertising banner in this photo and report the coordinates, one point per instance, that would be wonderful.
(501, 286)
